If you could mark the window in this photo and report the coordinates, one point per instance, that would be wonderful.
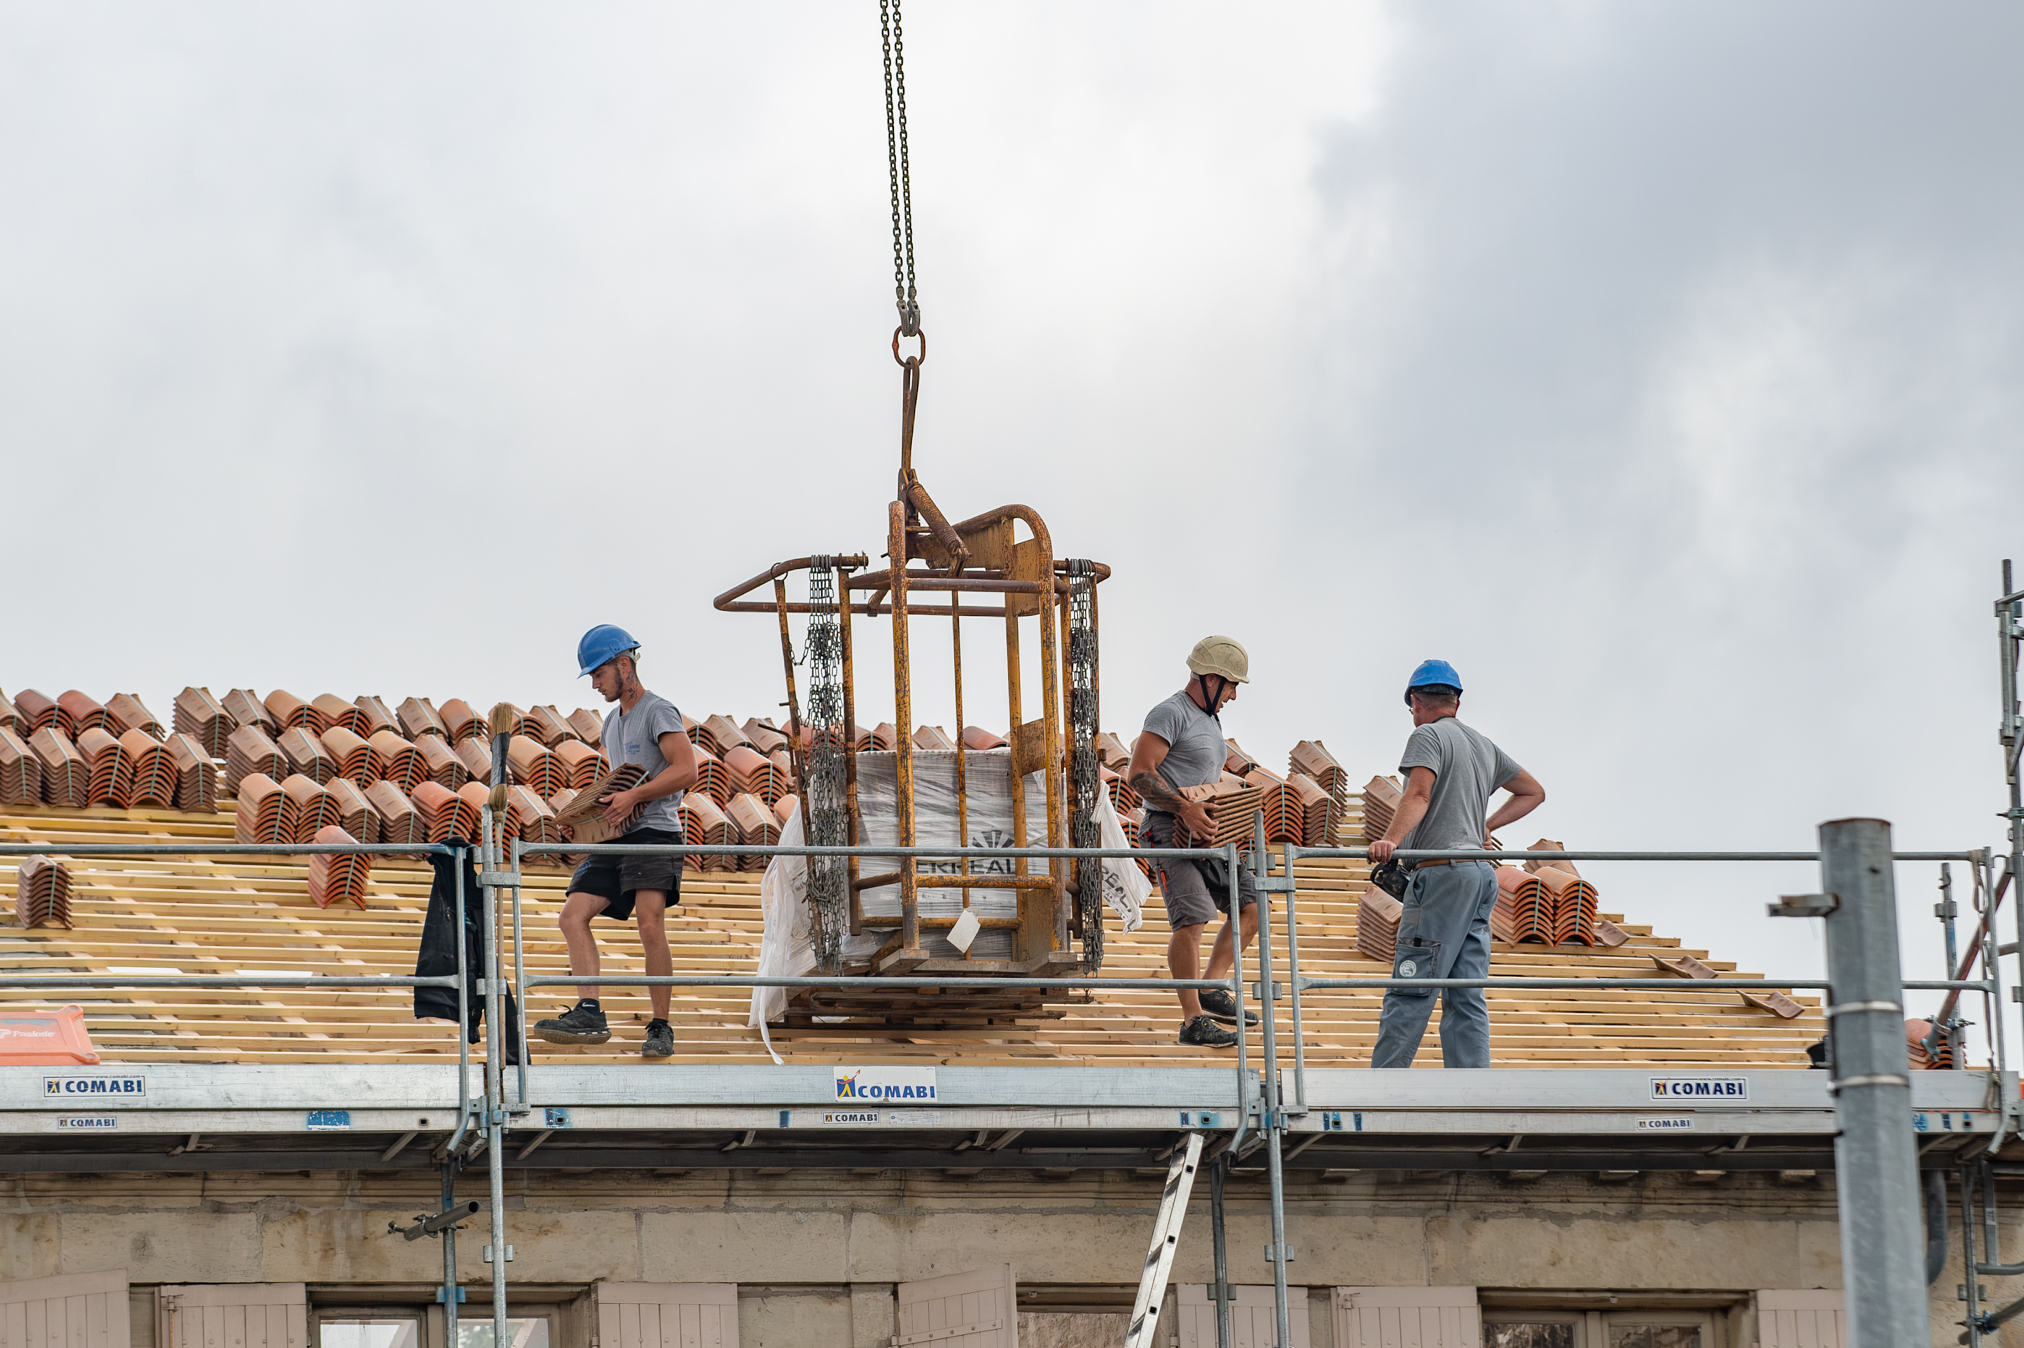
(522, 1331)
(369, 1331)
(1529, 1334)
(1598, 1329)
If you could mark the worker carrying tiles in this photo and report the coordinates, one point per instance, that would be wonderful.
(645, 729)
(1451, 771)
(1181, 747)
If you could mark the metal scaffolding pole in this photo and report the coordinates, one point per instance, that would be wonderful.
(1217, 1169)
(1275, 1118)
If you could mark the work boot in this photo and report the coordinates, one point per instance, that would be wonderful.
(1220, 1005)
(1205, 1033)
(580, 1024)
(660, 1040)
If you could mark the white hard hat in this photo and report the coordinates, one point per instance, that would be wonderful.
(1221, 655)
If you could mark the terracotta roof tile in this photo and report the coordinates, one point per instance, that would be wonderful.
(1111, 750)
(1524, 909)
(7, 713)
(20, 771)
(1381, 797)
(477, 759)
(196, 774)
(784, 808)
(335, 711)
(417, 717)
(712, 777)
(314, 806)
(247, 709)
(444, 767)
(247, 751)
(372, 716)
(933, 739)
(303, 748)
(265, 812)
(66, 777)
(460, 721)
(756, 826)
(399, 820)
(440, 809)
(338, 878)
(471, 798)
(589, 726)
(400, 761)
(1377, 924)
(547, 725)
(112, 768)
(533, 820)
(983, 741)
(287, 711)
(33, 712)
(126, 712)
(704, 824)
(42, 893)
(582, 763)
(154, 781)
(354, 757)
(885, 737)
(355, 814)
(204, 719)
(765, 736)
(83, 711)
(530, 763)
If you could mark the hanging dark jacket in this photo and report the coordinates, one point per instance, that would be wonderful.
(438, 955)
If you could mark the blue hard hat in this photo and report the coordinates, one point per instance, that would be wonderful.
(600, 644)
(1433, 674)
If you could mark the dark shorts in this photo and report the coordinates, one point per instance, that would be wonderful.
(1189, 900)
(619, 878)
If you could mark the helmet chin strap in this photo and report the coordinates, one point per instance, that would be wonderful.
(1209, 700)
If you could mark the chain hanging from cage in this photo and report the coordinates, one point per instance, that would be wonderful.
(904, 294)
(828, 807)
(1085, 785)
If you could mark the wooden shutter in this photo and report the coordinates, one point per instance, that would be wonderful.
(1254, 1316)
(232, 1315)
(78, 1310)
(979, 1309)
(1407, 1317)
(1801, 1320)
(667, 1315)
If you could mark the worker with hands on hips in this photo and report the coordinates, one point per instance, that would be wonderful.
(1444, 925)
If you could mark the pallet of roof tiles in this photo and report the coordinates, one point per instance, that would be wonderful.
(399, 820)
(417, 717)
(287, 711)
(756, 826)
(354, 812)
(546, 724)
(1381, 797)
(441, 763)
(154, 780)
(764, 735)
(1377, 924)
(248, 750)
(124, 712)
(33, 712)
(335, 711)
(42, 892)
(444, 813)
(589, 726)
(303, 748)
(370, 715)
(266, 813)
(314, 806)
(1523, 911)
(83, 712)
(66, 776)
(703, 824)
(196, 774)
(20, 771)
(244, 706)
(476, 756)
(1573, 906)
(530, 763)
(353, 757)
(712, 777)
(399, 761)
(203, 718)
(338, 877)
(581, 764)
(534, 822)
(460, 723)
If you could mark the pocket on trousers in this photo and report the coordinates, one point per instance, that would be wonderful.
(1415, 959)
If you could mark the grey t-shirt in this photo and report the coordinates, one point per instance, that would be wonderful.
(1195, 749)
(635, 737)
(1467, 767)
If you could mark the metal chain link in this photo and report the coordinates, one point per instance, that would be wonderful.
(1085, 786)
(828, 806)
(897, 168)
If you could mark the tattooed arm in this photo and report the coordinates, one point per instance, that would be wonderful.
(1144, 775)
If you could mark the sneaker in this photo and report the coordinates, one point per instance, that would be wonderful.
(1205, 1033)
(1220, 1005)
(580, 1024)
(660, 1040)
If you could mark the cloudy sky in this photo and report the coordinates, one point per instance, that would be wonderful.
(1657, 364)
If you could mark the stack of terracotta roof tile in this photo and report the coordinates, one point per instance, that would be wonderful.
(247, 751)
(1926, 1051)
(765, 736)
(712, 777)
(1381, 797)
(756, 825)
(1312, 760)
(154, 779)
(1317, 810)
(1377, 924)
(1524, 909)
(444, 813)
(1134, 822)
(333, 710)
(266, 813)
(703, 823)
(530, 763)
(474, 796)
(589, 726)
(755, 774)
(126, 712)
(1122, 797)
(66, 777)
(245, 708)
(355, 814)
(417, 717)
(399, 762)
(583, 813)
(83, 712)
(1110, 749)
(720, 735)
(20, 771)
(476, 755)
(534, 821)
(1573, 905)
(443, 766)
(42, 893)
(981, 740)
(314, 806)
(1232, 802)
(303, 748)
(933, 739)
(34, 712)
(557, 803)
(287, 711)
(547, 725)
(352, 757)
(885, 737)
(582, 763)
(342, 876)
(204, 719)
(1296, 810)
(1237, 762)
(196, 774)
(784, 808)
(461, 723)
(399, 820)
(371, 715)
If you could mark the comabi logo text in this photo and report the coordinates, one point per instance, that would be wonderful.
(885, 1083)
(1700, 1088)
(71, 1087)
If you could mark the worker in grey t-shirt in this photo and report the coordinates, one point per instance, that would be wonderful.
(1444, 931)
(645, 729)
(1182, 746)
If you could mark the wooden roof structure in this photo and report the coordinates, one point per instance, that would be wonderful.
(238, 914)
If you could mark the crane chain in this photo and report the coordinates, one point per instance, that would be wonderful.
(904, 296)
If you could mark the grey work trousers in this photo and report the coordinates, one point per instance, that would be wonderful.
(1447, 907)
